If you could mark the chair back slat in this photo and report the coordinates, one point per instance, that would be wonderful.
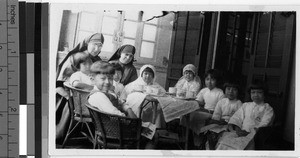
(79, 99)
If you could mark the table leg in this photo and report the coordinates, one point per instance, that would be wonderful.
(154, 110)
(187, 129)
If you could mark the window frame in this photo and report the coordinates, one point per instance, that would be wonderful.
(138, 40)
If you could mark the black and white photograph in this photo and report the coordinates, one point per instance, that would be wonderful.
(167, 80)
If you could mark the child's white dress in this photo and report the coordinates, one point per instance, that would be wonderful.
(119, 87)
(192, 86)
(249, 117)
(103, 103)
(80, 77)
(225, 108)
(211, 98)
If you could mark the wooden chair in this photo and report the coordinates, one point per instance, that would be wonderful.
(154, 103)
(265, 134)
(114, 131)
(79, 113)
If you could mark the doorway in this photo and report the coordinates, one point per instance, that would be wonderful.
(254, 46)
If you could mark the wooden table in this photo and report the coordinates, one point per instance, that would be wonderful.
(174, 108)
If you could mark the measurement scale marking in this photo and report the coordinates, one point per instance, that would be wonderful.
(12, 46)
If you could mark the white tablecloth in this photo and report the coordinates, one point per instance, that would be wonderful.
(173, 108)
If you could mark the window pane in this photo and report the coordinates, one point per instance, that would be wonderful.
(109, 25)
(88, 21)
(149, 32)
(147, 50)
(130, 29)
(108, 44)
(81, 35)
(132, 15)
(128, 41)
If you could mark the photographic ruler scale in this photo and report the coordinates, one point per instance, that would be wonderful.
(9, 79)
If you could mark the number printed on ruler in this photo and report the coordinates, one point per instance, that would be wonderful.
(9, 78)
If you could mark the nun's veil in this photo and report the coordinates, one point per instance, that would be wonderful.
(80, 47)
(118, 52)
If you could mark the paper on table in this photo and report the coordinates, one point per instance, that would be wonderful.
(151, 127)
(173, 108)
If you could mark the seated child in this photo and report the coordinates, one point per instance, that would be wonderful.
(190, 81)
(211, 94)
(225, 108)
(207, 99)
(102, 97)
(81, 79)
(245, 122)
(133, 97)
(118, 87)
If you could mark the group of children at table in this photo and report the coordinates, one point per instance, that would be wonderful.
(112, 83)
(226, 122)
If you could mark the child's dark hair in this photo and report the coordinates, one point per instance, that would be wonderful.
(117, 67)
(79, 58)
(102, 67)
(232, 83)
(214, 74)
(148, 69)
(258, 84)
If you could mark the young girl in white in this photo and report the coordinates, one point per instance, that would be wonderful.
(207, 99)
(190, 81)
(246, 121)
(81, 78)
(225, 108)
(133, 96)
(118, 87)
